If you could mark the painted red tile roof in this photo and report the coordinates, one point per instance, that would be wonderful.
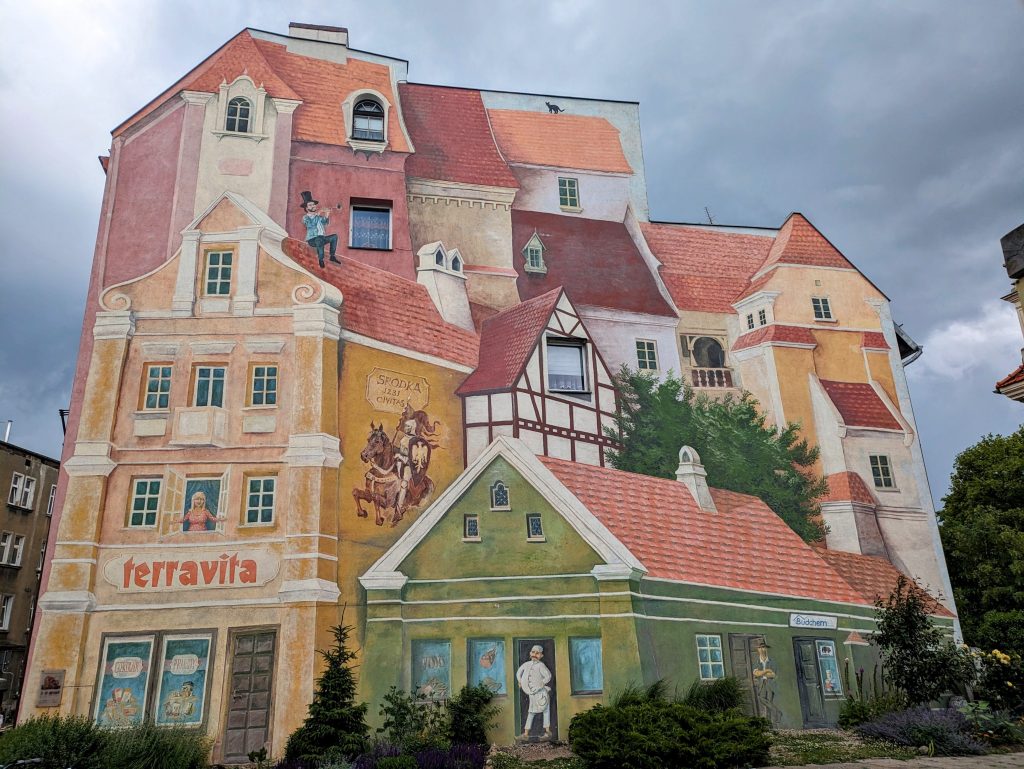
(754, 286)
(596, 262)
(452, 137)
(562, 141)
(506, 342)
(320, 85)
(705, 269)
(661, 524)
(874, 340)
(1014, 377)
(875, 577)
(775, 333)
(848, 486)
(859, 405)
(799, 242)
(389, 308)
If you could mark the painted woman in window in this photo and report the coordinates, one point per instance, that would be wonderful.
(198, 516)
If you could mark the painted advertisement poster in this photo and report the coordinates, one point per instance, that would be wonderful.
(124, 680)
(432, 669)
(830, 682)
(181, 686)
(487, 664)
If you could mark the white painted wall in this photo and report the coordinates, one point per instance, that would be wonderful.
(615, 333)
(602, 196)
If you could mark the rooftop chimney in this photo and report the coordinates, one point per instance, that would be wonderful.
(441, 272)
(319, 32)
(691, 473)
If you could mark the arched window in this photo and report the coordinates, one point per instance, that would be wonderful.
(708, 353)
(239, 110)
(499, 496)
(368, 121)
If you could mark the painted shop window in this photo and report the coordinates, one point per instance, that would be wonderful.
(881, 471)
(23, 491)
(646, 355)
(157, 396)
(263, 385)
(49, 502)
(566, 368)
(239, 112)
(709, 657)
(145, 502)
(586, 669)
(6, 608)
(533, 252)
(750, 320)
(822, 310)
(762, 317)
(259, 502)
(829, 667)
(209, 386)
(11, 547)
(568, 193)
(500, 499)
(181, 680)
(368, 121)
(471, 528)
(218, 273)
(486, 664)
(534, 528)
(432, 669)
(371, 228)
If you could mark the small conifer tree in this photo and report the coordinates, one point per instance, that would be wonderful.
(336, 725)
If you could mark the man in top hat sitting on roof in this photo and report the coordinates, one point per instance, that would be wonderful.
(315, 222)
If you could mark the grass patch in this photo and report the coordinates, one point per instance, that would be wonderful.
(507, 761)
(794, 748)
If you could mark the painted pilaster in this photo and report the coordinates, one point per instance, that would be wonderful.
(244, 301)
(183, 301)
(183, 204)
(619, 637)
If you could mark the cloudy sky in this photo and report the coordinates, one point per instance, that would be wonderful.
(897, 128)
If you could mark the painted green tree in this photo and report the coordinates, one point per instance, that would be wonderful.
(982, 527)
(739, 449)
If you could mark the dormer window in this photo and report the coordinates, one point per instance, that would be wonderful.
(368, 121)
(566, 363)
(239, 115)
(762, 318)
(439, 257)
(533, 252)
(456, 265)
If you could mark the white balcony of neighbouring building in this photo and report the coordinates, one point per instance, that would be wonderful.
(711, 377)
(200, 426)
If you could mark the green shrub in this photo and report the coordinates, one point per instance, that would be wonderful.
(858, 711)
(718, 696)
(1001, 682)
(148, 746)
(59, 741)
(397, 762)
(643, 730)
(413, 724)
(470, 715)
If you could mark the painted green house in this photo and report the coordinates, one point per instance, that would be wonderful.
(556, 584)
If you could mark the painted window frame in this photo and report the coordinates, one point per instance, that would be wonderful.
(534, 246)
(219, 281)
(6, 610)
(146, 497)
(446, 645)
(762, 317)
(500, 485)
(882, 472)
(470, 521)
(148, 379)
(361, 208)
(575, 685)
(750, 321)
(822, 308)
(712, 664)
(248, 508)
(569, 193)
(584, 356)
(647, 355)
(530, 536)
(266, 378)
(197, 377)
(233, 123)
(380, 114)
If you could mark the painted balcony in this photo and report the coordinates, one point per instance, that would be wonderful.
(200, 426)
(711, 377)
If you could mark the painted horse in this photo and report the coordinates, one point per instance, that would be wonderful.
(384, 478)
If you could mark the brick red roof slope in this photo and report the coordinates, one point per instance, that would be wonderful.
(848, 486)
(775, 333)
(1014, 377)
(859, 405)
(874, 340)
(389, 308)
(452, 137)
(506, 342)
(705, 270)
(799, 242)
(563, 141)
(875, 577)
(596, 262)
(661, 524)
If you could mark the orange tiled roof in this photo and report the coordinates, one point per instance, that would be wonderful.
(1014, 377)
(661, 524)
(799, 242)
(859, 405)
(848, 486)
(452, 137)
(389, 308)
(506, 342)
(774, 333)
(874, 340)
(875, 578)
(563, 141)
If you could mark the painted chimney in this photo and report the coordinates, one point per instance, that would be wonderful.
(319, 32)
(442, 273)
(691, 473)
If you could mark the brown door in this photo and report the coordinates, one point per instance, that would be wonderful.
(808, 675)
(252, 672)
(742, 653)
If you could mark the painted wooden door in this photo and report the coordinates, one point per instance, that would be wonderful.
(530, 677)
(252, 673)
(808, 679)
(742, 653)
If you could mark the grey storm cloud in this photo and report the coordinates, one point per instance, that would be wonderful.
(897, 128)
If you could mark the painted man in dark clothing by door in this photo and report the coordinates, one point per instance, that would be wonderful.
(315, 221)
(764, 682)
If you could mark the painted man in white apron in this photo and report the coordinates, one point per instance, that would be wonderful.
(533, 677)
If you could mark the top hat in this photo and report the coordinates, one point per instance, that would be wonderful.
(307, 198)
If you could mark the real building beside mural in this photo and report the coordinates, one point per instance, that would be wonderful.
(348, 355)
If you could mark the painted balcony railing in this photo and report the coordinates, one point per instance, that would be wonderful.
(711, 377)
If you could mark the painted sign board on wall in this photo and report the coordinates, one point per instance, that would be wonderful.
(813, 621)
(388, 390)
(51, 687)
(149, 572)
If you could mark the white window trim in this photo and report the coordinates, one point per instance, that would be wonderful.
(535, 242)
(6, 610)
(654, 345)
(570, 209)
(53, 496)
(195, 385)
(351, 226)
(6, 540)
(206, 273)
(533, 538)
(892, 475)
(17, 484)
(17, 550)
(145, 388)
(131, 503)
(465, 519)
(243, 86)
(570, 341)
(253, 365)
(347, 110)
(508, 493)
(826, 304)
(246, 523)
(697, 639)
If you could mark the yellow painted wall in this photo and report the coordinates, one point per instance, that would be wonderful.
(847, 292)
